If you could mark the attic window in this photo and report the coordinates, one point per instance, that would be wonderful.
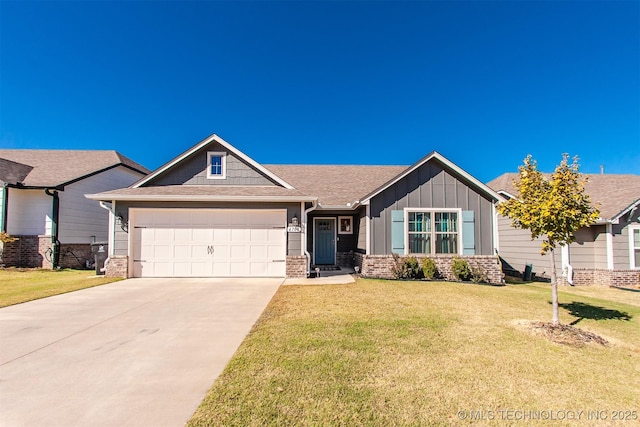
(216, 165)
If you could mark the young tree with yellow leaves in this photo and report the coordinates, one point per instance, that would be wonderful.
(554, 208)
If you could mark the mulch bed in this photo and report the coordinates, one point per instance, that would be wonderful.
(567, 334)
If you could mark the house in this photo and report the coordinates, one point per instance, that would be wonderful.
(606, 253)
(42, 203)
(214, 211)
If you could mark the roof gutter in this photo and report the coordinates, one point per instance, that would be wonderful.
(189, 198)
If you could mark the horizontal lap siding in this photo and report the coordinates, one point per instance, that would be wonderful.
(430, 186)
(82, 220)
(517, 249)
(28, 212)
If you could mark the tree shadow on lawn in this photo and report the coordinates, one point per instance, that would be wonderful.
(594, 312)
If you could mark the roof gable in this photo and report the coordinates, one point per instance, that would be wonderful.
(615, 194)
(57, 168)
(185, 157)
(435, 156)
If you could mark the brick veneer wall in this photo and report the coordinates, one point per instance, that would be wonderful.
(75, 255)
(27, 251)
(603, 277)
(344, 259)
(381, 266)
(296, 266)
(117, 266)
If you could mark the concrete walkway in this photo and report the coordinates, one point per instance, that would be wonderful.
(338, 277)
(141, 352)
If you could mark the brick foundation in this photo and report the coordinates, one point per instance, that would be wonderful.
(117, 266)
(296, 266)
(75, 255)
(381, 266)
(27, 251)
(603, 277)
(345, 259)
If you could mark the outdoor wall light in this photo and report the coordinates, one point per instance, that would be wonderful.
(294, 220)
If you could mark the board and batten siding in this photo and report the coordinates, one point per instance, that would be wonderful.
(82, 220)
(121, 234)
(431, 185)
(193, 171)
(29, 212)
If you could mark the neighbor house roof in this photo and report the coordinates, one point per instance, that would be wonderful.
(13, 172)
(56, 168)
(204, 193)
(336, 185)
(615, 194)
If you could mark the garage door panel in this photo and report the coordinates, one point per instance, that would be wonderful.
(219, 243)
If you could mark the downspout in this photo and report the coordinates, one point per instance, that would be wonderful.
(55, 215)
(110, 238)
(5, 210)
(567, 269)
(314, 205)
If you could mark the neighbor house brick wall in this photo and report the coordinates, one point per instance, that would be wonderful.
(296, 266)
(117, 266)
(381, 266)
(75, 255)
(27, 251)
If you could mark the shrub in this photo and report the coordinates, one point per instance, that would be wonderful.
(5, 238)
(429, 269)
(479, 275)
(460, 268)
(407, 268)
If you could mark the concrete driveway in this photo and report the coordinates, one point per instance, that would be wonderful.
(141, 352)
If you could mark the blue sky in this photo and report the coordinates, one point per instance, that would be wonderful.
(483, 82)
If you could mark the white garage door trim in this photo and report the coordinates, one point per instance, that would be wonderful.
(179, 242)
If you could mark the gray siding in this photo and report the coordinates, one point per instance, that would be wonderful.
(430, 186)
(193, 171)
(517, 249)
(121, 237)
(621, 253)
(361, 223)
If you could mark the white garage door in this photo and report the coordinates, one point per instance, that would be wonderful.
(208, 243)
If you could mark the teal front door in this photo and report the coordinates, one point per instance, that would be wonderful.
(325, 241)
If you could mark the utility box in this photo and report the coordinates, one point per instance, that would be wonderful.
(100, 252)
(528, 272)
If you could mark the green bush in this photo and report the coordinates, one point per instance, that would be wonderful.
(429, 269)
(460, 268)
(407, 268)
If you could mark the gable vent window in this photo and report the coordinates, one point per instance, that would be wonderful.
(216, 165)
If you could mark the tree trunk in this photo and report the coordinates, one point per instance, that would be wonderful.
(554, 287)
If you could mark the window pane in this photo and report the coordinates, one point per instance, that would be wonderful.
(419, 221)
(446, 222)
(637, 256)
(636, 238)
(419, 244)
(216, 165)
(447, 243)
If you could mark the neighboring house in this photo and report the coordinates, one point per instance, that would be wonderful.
(42, 203)
(607, 253)
(214, 212)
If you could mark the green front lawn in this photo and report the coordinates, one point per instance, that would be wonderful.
(21, 285)
(413, 353)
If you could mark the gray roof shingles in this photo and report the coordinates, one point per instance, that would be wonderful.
(52, 168)
(613, 193)
(336, 185)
